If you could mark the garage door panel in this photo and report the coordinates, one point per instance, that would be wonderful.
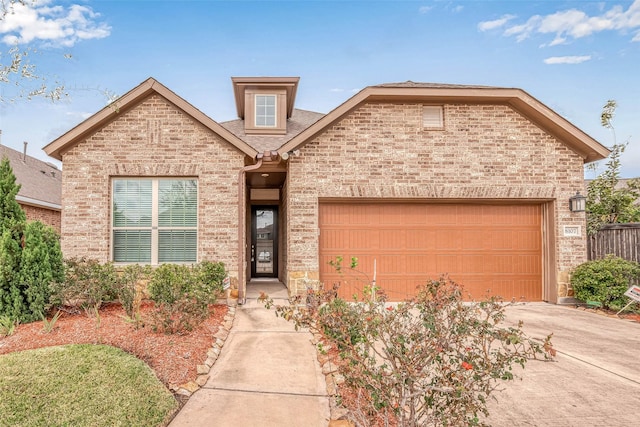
(392, 239)
(496, 247)
(441, 214)
(448, 239)
(331, 239)
(421, 264)
(362, 239)
(421, 239)
(474, 239)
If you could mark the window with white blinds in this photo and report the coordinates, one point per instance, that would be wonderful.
(155, 220)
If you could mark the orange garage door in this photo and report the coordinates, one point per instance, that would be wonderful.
(486, 248)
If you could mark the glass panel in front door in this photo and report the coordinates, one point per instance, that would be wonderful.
(264, 241)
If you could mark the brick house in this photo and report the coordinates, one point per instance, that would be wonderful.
(420, 179)
(40, 186)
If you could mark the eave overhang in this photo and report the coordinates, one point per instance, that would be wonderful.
(241, 84)
(59, 146)
(584, 145)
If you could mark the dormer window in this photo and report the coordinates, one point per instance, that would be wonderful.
(265, 103)
(266, 111)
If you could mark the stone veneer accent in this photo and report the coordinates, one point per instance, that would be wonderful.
(153, 139)
(381, 151)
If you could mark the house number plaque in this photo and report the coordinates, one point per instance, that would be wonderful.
(572, 231)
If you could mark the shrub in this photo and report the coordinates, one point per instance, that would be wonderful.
(605, 280)
(210, 276)
(40, 265)
(182, 294)
(127, 288)
(30, 256)
(170, 283)
(432, 360)
(87, 284)
(180, 316)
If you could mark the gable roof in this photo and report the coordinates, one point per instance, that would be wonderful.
(584, 145)
(41, 182)
(299, 121)
(129, 100)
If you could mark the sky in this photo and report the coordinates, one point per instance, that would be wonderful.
(573, 56)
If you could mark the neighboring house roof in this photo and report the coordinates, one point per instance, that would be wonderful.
(304, 125)
(129, 100)
(519, 100)
(41, 182)
(299, 121)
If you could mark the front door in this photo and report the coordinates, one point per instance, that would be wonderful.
(264, 241)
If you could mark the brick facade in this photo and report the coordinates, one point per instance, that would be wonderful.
(153, 139)
(47, 216)
(381, 151)
(369, 148)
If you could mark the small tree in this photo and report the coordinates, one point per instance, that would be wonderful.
(10, 211)
(30, 256)
(12, 218)
(606, 203)
(40, 265)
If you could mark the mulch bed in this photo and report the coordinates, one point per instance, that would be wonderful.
(172, 357)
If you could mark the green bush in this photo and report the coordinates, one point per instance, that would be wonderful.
(87, 284)
(40, 265)
(180, 316)
(605, 280)
(182, 294)
(170, 283)
(210, 276)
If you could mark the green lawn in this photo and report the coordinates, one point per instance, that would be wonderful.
(81, 385)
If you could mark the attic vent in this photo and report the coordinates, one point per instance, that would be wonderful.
(432, 117)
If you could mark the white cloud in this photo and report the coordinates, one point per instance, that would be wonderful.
(497, 23)
(457, 9)
(53, 25)
(573, 24)
(425, 9)
(567, 59)
(336, 90)
(82, 115)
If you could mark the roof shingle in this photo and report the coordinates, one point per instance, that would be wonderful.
(299, 121)
(41, 182)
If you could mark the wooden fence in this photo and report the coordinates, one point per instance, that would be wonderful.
(621, 240)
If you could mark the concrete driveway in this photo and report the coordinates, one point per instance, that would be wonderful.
(594, 382)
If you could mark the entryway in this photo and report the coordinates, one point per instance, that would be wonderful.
(264, 241)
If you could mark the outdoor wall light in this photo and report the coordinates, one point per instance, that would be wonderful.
(577, 203)
(288, 154)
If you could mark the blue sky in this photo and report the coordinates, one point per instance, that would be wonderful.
(571, 55)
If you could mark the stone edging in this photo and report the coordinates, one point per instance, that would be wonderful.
(187, 389)
(333, 379)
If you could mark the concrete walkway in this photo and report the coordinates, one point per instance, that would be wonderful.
(266, 375)
(594, 382)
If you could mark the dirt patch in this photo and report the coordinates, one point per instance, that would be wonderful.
(172, 357)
